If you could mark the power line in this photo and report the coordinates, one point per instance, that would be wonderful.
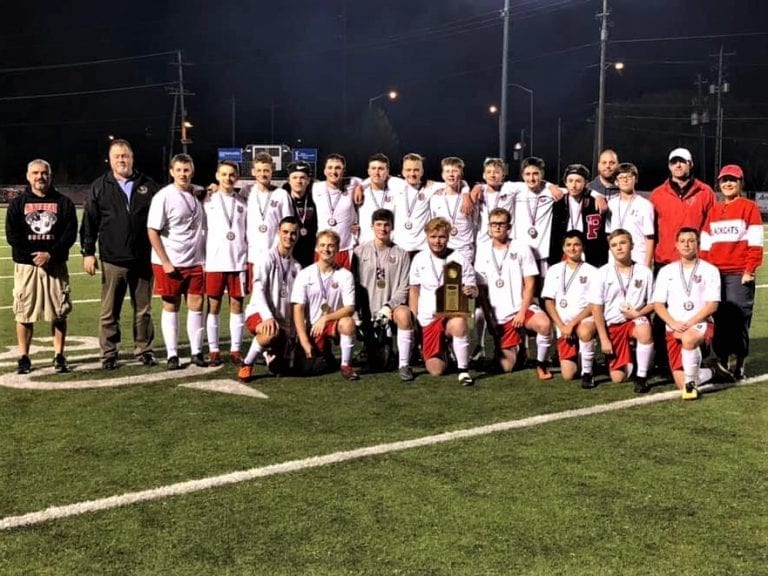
(86, 63)
(82, 92)
(697, 37)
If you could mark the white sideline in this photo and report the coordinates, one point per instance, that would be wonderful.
(190, 486)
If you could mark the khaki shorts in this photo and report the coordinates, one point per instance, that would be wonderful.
(41, 293)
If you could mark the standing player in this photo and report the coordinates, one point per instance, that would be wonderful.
(687, 294)
(447, 204)
(323, 299)
(176, 224)
(630, 211)
(426, 277)
(377, 194)
(299, 179)
(334, 200)
(381, 270)
(269, 314)
(412, 206)
(621, 301)
(226, 249)
(507, 273)
(565, 292)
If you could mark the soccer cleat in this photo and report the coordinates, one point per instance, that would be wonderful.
(272, 362)
(478, 354)
(235, 357)
(199, 360)
(588, 381)
(465, 379)
(739, 374)
(148, 359)
(214, 359)
(349, 373)
(109, 363)
(24, 366)
(689, 391)
(641, 385)
(542, 371)
(173, 363)
(60, 364)
(406, 374)
(245, 372)
(720, 372)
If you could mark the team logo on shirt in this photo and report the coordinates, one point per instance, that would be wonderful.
(273, 203)
(697, 278)
(513, 255)
(420, 196)
(392, 258)
(142, 190)
(240, 209)
(582, 279)
(335, 285)
(638, 283)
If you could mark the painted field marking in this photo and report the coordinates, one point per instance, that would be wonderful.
(65, 511)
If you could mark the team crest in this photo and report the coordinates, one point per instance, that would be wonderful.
(502, 197)
(582, 279)
(697, 278)
(273, 203)
(335, 285)
(420, 196)
(513, 255)
(392, 258)
(142, 190)
(387, 198)
(240, 209)
(638, 283)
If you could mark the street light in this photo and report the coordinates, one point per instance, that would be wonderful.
(530, 94)
(391, 95)
(502, 119)
(600, 124)
(185, 126)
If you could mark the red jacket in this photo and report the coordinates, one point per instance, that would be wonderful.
(732, 238)
(674, 212)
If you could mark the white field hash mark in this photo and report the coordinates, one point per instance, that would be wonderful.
(58, 512)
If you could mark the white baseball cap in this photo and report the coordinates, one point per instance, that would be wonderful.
(683, 153)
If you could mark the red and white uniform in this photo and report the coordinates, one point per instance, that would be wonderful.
(274, 277)
(448, 206)
(491, 199)
(427, 273)
(335, 288)
(686, 290)
(569, 286)
(636, 216)
(533, 211)
(612, 290)
(180, 218)
(412, 212)
(226, 245)
(374, 200)
(732, 238)
(265, 210)
(504, 270)
(336, 210)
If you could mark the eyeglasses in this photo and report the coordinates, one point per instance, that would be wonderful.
(498, 224)
(676, 160)
(625, 177)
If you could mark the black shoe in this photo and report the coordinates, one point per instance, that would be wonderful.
(148, 359)
(109, 363)
(641, 385)
(739, 374)
(587, 381)
(199, 360)
(60, 364)
(719, 371)
(25, 365)
(173, 363)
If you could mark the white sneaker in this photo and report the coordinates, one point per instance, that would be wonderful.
(465, 379)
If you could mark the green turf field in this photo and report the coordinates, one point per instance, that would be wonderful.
(661, 488)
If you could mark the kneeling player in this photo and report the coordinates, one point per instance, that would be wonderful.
(565, 298)
(426, 278)
(621, 301)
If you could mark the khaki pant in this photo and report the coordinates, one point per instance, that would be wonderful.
(115, 282)
(41, 292)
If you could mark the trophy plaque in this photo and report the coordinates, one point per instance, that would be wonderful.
(450, 300)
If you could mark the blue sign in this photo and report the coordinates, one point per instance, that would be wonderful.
(230, 154)
(305, 155)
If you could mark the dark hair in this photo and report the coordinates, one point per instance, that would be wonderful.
(575, 234)
(383, 214)
(534, 161)
(336, 156)
(121, 142)
(289, 220)
(687, 230)
(230, 164)
(378, 157)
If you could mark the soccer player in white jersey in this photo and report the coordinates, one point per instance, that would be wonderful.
(447, 203)
(686, 296)
(334, 200)
(620, 297)
(176, 225)
(426, 277)
(565, 298)
(412, 206)
(630, 211)
(377, 194)
(267, 206)
(226, 249)
(507, 274)
(323, 299)
(269, 314)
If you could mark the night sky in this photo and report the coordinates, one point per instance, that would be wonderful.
(302, 72)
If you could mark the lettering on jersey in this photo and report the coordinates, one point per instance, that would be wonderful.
(594, 224)
(41, 218)
(728, 229)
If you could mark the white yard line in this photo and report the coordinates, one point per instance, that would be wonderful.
(190, 486)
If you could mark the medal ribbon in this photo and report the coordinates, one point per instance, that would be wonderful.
(438, 277)
(486, 192)
(495, 263)
(624, 289)
(262, 209)
(455, 208)
(332, 206)
(193, 207)
(283, 271)
(323, 285)
(688, 284)
(231, 216)
(302, 214)
(573, 222)
(629, 208)
(567, 285)
(532, 213)
(409, 206)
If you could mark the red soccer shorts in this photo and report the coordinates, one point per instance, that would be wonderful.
(190, 280)
(675, 346)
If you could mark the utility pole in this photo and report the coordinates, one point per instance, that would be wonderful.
(179, 94)
(234, 124)
(722, 87)
(700, 117)
(600, 123)
(504, 80)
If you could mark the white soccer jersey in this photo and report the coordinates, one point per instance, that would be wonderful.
(373, 200)
(491, 199)
(226, 244)
(180, 218)
(336, 210)
(265, 210)
(613, 290)
(273, 281)
(686, 290)
(335, 288)
(448, 206)
(411, 215)
(569, 288)
(504, 270)
(532, 222)
(427, 273)
(634, 215)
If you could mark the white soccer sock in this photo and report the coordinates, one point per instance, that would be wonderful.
(705, 375)
(480, 325)
(543, 342)
(236, 325)
(212, 328)
(404, 345)
(461, 351)
(346, 343)
(253, 351)
(169, 326)
(587, 351)
(195, 331)
(644, 354)
(691, 362)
